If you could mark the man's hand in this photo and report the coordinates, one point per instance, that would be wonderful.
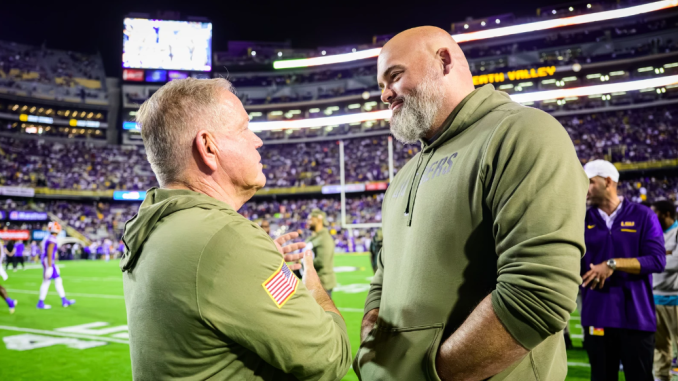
(369, 320)
(315, 288)
(597, 275)
(285, 250)
(48, 273)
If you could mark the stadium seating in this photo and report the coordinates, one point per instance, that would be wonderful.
(622, 136)
(73, 165)
(99, 220)
(51, 74)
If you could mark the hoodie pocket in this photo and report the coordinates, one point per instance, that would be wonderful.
(399, 354)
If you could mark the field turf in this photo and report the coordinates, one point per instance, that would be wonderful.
(89, 341)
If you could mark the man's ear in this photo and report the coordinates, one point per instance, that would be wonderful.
(206, 150)
(444, 56)
(608, 182)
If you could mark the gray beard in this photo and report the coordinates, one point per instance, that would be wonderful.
(415, 117)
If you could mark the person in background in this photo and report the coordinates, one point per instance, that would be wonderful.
(3, 273)
(51, 270)
(9, 249)
(86, 252)
(93, 250)
(35, 251)
(11, 303)
(266, 226)
(107, 249)
(19, 255)
(665, 290)
(121, 248)
(323, 249)
(100, 250)
(375, 248)
(624, 246)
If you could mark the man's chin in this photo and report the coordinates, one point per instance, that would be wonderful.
(403, 138)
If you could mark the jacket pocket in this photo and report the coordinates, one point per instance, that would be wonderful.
(399, 354)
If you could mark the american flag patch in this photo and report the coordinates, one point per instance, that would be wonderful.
(281, 285)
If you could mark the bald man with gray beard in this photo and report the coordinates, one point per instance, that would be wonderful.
(475, 279)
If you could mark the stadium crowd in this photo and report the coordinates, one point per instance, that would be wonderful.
(622, 136)
(99, 221)
(625, 136)
(75, 165)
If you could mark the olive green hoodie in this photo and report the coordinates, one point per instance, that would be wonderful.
(496, 206)
(194, 275)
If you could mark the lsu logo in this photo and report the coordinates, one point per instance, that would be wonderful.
(590, 226)
(628, 224)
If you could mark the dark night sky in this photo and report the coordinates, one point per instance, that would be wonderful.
(84, 26)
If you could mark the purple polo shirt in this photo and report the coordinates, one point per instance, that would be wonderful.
(626, 299)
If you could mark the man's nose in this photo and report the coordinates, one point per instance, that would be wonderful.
(387, 95)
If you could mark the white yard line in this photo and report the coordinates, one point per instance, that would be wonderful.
(579, 364)
(101, 296)
(63, 334)
(346, 309)
(22, 276)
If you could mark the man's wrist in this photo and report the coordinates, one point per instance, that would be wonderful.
(612, 264)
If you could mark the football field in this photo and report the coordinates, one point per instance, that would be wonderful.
(89, 341)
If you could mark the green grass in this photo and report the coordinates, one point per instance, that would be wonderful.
(97, 286)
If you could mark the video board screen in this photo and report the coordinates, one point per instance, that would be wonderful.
(164, 44)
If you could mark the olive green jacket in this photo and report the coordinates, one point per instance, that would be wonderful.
(194, 272)
(495, 206)
(323, 248)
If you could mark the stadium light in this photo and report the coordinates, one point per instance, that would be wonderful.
(321, 122)
(520, 98)
(598, 89)
(326, 60)
(492, 33)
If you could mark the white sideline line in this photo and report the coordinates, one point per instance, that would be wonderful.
(71, 278)
(579, 364)
(102, 296)
(347, 309)
(62, 334)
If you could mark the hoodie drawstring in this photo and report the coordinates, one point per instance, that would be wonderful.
(416, 180)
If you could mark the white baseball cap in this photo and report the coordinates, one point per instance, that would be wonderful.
(601, 168)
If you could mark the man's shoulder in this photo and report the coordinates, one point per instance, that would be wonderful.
(199, 225)
(523, 119)
(638, 210)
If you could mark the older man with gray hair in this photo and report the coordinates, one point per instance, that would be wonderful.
(208, 293)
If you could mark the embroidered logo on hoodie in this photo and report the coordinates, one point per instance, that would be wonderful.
(438, 168)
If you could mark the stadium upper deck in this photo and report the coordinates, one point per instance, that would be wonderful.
(52, 74)
(599, 62)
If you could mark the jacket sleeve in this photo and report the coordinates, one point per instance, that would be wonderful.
(374, 295)
(535, 190)
(297, 336)
(652, 252)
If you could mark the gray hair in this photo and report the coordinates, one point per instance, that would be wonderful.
(170, 119)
